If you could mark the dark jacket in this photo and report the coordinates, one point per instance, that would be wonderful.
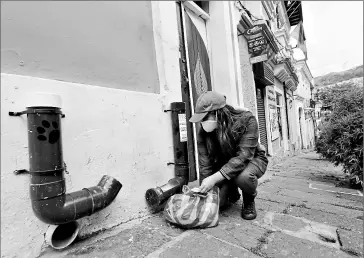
(248, 150)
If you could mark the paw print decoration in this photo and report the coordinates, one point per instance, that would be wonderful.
(48, 132)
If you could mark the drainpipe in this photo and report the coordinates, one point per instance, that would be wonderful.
(156, 197)
(48, 196)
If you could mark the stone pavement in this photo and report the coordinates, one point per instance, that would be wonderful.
(301, 213)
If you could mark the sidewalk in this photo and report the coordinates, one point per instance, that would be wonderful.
(300, 214)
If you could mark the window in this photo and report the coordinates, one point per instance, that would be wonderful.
(279, 115)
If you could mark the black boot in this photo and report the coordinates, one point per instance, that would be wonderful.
(248, 208)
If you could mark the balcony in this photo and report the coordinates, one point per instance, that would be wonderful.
(285, 73)
(291, 84)
(281, 72)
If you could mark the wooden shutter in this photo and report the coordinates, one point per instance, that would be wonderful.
(261, 119)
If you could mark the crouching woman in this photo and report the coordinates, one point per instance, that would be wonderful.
(230, 155)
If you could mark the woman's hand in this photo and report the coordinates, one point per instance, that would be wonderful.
(210, 181)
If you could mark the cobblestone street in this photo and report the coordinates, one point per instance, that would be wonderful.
(301, 213)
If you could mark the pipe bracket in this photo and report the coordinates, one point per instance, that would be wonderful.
(181, 164)
(21, 171)
(36, 111)
(44, 172)
(174, 110)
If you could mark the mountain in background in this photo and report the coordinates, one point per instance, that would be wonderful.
(353, 75)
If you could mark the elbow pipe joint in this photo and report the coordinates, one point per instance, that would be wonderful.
(50, 202)
(69, 207)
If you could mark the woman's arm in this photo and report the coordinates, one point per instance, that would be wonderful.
(246, 151)
(203, 158)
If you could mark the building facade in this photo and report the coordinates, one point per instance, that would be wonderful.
(304, 108)
(283, 83)
(117, 67)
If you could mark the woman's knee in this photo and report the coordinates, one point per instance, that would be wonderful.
(247, 181)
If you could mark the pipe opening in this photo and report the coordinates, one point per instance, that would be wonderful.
(61, 236)
(152, 196)
(155, 197)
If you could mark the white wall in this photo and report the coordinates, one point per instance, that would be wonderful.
(246, 75)
(303, 94)
(223, 45)
(74, 41)
(255, 8)
(105, 131)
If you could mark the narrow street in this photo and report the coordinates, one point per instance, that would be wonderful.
(301, 213)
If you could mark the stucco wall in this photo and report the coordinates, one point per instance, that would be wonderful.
(247, 77)
(105, 131)
(109, 44)
(303, 88)
(223, 43)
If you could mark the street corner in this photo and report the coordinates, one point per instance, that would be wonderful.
(339, 221)
(262, 206)
(133, 240)
(232, 214)
(278, 244)
(302, 228)
(334, 189)
(237, 232)
(160, 224)
(341, 210)
(194, 244)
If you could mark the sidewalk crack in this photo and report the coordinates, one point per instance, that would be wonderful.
(224, 241)
(263, 240)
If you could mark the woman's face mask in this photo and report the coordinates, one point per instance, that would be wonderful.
(210, 124)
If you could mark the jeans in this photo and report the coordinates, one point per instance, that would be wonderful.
(247, 181)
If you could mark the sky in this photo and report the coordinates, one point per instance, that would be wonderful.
(334, 35)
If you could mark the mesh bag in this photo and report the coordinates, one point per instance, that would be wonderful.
(191, 210)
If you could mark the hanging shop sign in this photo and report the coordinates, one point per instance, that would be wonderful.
(257, 43)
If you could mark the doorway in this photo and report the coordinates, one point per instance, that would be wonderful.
(300, 115)
(279, 116)
(195, 69)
